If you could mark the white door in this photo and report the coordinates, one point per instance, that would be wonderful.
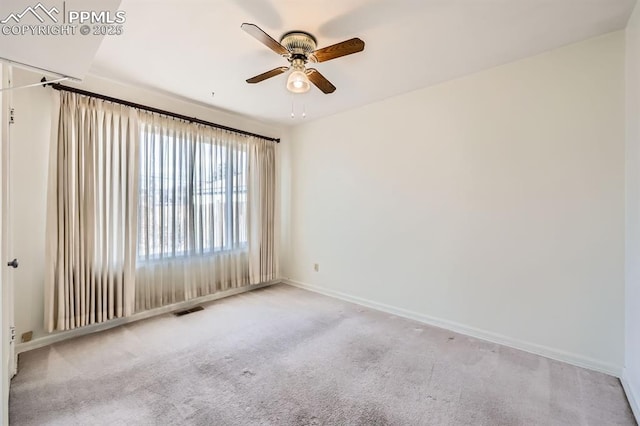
(9, 364)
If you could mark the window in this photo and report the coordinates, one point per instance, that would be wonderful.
(154, 217)
(192, 196)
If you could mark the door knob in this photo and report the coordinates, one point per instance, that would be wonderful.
(13, 263)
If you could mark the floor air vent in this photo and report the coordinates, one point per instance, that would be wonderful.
(188, 311)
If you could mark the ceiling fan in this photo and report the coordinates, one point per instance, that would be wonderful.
(299, 47)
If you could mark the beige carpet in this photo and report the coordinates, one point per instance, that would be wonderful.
(285, 356)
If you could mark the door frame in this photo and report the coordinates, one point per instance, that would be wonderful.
(7, 330)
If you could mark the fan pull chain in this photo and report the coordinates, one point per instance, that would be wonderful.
(293, 113)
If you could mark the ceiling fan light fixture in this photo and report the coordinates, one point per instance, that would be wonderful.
(299, 48)
(298, 82)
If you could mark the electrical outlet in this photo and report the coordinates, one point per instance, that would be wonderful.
(26, 337)
(316, 267)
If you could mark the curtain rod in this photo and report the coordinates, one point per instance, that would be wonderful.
(58, 86)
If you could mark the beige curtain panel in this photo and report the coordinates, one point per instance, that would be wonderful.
(146, 211)
(91, 218)
(261, 199)
(192, 240)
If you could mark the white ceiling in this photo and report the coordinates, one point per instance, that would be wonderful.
(191, 48)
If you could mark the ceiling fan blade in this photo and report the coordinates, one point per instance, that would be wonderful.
(321, 83)
(265, 75)
(334, 51)
(264, 38)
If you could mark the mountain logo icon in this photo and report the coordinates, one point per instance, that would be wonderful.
(39, 11)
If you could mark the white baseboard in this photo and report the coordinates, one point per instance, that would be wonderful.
(94, 328)
(633, 394)
(556, 354)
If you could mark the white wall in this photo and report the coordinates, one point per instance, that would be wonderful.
(631, 376)
(29, 162)
(493, 204)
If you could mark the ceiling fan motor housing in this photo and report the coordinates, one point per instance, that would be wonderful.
(299, 43)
